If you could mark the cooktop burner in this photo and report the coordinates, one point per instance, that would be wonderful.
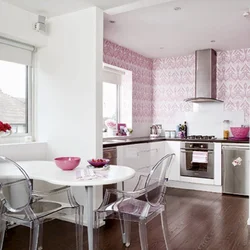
(201, 137)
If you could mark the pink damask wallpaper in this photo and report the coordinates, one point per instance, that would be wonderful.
(161, 85)
(141, 68)
(174, 79)
(233, 80)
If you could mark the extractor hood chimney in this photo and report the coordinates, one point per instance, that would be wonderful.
(205, 77)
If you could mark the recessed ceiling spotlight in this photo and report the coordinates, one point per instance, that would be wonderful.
(177, 8)
(111, 21)
(212, 41)
(246, 13)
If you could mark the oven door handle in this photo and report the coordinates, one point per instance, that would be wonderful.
(190, 151)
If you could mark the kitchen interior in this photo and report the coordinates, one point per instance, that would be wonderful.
(182, 85)
(190, 93)
(191, 97)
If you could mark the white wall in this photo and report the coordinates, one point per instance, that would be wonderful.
(17, 24)
(25, 151)
(68, 91)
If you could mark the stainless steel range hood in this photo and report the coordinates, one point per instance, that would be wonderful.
(205, 77)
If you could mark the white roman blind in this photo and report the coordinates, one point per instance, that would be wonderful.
(112, 75)
(13, 51)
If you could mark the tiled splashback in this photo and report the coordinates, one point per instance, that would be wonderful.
(206, 119)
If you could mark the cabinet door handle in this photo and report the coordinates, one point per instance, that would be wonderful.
(147, 151)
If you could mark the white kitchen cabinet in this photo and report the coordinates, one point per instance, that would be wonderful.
(174, 147)
(140, 157)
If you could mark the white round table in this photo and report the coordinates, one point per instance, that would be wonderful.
(49, 172)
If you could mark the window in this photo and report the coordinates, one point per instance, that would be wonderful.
(111, 94)
(15, 85)
(111, 101)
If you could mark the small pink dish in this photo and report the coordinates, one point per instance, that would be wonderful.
(98, 163)
(67, 163)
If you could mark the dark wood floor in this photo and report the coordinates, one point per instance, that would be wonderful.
(196, 220)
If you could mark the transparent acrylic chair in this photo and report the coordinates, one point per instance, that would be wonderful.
(18, 206)
(141, 205)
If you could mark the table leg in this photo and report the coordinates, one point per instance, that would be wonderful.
(90, 218)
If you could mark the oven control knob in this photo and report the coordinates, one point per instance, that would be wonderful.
(191, 145)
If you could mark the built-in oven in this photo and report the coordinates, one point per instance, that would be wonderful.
(197, 159)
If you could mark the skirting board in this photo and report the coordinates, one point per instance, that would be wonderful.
(195, 186)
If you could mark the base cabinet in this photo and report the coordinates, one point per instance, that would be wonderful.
(174, 147)
(140, 157)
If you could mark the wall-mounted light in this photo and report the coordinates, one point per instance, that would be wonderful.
(40, 26)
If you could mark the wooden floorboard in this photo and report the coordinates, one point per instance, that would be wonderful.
(196, 220)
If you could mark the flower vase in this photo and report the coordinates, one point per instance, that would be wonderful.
(5, 134)
(111, 132)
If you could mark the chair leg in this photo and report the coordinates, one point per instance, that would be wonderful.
(143, 235)
(40, 239)
(97, 231)
(2, 233)
(125, 224)
(127, 230)
(34, 236)
(79, 227)
(164, 227)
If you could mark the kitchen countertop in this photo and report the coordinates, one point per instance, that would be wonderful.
(125, 141)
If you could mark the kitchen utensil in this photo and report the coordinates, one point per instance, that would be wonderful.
(167, 133)
(172, 134)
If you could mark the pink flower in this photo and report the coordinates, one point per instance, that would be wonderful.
(110, 123)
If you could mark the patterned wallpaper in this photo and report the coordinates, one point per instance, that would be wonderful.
(161, 85)
(174, 79)
(233, 80)
(141, 68)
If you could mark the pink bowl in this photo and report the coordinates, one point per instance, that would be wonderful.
(98, 164)
(240, 132)
(67, 163)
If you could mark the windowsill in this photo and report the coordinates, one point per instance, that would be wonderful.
(16, 139)
(20, 143)
(107, 137)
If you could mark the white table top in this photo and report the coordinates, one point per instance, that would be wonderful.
(49, 172)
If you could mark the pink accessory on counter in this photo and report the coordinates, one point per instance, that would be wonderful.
(239, 132)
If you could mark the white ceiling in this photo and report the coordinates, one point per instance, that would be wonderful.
(181, 32)
(52, 8)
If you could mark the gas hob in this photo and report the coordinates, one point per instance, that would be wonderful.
(201, 137)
